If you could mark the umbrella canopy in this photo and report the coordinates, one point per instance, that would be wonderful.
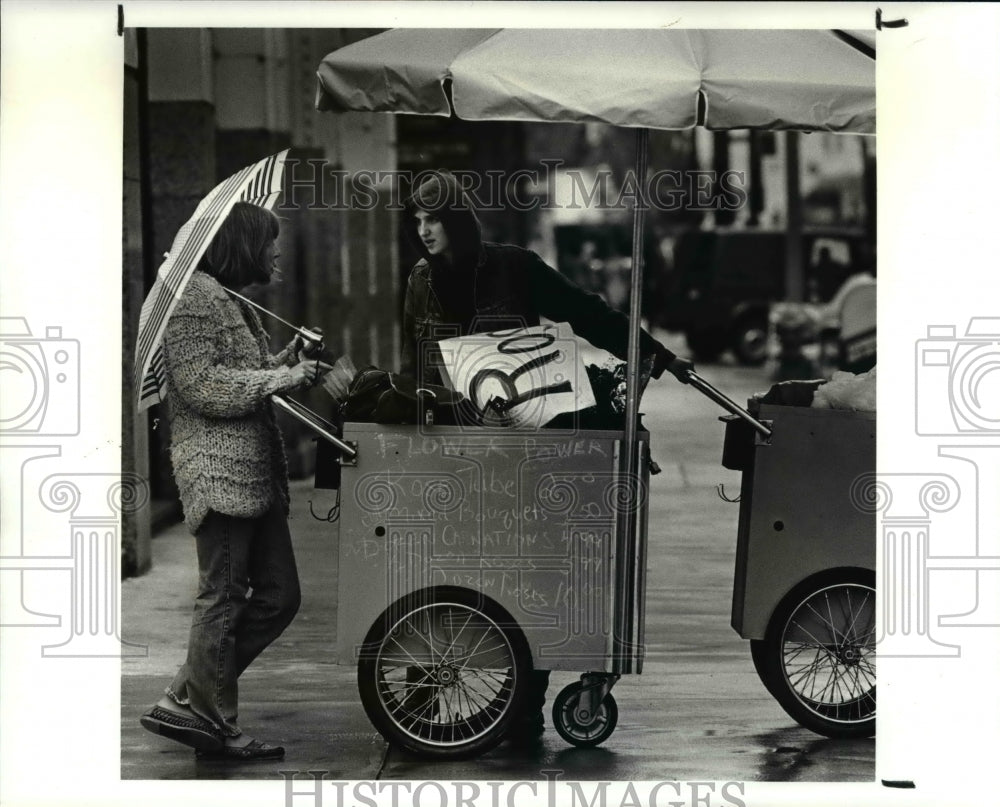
(656, 78)
(259, 184)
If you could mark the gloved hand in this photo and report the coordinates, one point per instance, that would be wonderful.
(681, 367)
(620, 392)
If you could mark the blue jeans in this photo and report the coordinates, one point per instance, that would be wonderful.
(248, 593)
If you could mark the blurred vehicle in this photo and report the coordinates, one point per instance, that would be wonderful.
(724, 283)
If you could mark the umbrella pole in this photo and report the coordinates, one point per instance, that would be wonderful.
(305, 333)
(635, 299)
(629, 603)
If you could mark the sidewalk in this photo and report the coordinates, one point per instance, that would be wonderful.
(293, 694)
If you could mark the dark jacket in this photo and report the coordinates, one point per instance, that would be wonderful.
(510, 287)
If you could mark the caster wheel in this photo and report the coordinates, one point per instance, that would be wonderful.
(582, 730)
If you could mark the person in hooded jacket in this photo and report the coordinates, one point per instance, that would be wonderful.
(463, 284)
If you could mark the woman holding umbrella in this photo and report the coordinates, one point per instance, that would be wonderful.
(229, 464)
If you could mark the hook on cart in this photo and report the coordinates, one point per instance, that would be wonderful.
(332, 515)
(721, 490)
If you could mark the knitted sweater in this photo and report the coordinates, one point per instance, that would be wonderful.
(226, 450)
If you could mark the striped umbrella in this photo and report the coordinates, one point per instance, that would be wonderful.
(258, 184)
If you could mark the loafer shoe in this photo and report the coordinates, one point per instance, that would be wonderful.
(189, 730)
(251, 752)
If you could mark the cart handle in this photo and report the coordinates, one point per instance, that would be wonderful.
(725, 402)
(316, 422)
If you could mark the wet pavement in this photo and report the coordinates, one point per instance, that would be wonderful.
(697, 712)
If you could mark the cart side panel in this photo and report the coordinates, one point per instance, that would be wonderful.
(742, 547)
(527, 520)
(803, 516)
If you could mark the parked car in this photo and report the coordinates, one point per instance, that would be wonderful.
(723, 283)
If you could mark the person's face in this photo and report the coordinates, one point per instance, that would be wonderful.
(432, 234)
(269, 262)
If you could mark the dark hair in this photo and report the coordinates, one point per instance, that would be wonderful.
(440, 193)
(236, 255)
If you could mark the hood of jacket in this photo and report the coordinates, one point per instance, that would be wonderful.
(442, 195)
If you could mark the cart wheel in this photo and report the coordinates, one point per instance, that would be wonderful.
(442, 673)
(574, 730)
(818, 656)
(749, 341)
(758, 652)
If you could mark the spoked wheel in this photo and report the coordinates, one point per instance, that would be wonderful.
(442, 676)
(584, 730)
(758, 652)
(818, 658)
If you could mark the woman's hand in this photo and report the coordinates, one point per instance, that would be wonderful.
(308, 373)
(306, 348)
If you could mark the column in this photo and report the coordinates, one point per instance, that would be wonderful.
(19, 560)
(905, 502)
(95, 504)
(985, 564)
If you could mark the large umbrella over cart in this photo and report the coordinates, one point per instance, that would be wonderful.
(810, 80)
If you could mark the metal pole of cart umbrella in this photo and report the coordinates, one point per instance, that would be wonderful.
(628, 511)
